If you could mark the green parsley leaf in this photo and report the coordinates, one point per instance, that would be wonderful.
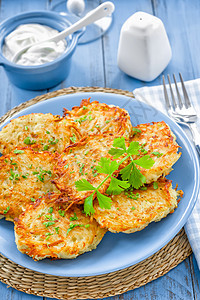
(133, 148)
(84, 185)
(119, 143)
(107, 166)
(136, 178)
(125, 172)
(117, 186)
(104, 201)
(116, 153)
(133, 175)
(145, 162)
(88, 205)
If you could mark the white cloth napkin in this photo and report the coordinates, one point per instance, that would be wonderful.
(155, 97)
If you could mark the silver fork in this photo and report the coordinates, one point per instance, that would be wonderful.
(181, 109)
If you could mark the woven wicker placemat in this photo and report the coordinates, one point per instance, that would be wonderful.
(92, 287)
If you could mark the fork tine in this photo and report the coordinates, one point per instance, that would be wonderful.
(177, 91)
(165, 94)
(187, 100)
(172, 93)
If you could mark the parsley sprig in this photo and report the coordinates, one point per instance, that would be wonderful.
(131, 175)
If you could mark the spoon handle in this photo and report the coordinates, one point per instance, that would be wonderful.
(101, 11)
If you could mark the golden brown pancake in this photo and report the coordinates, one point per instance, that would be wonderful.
(40, 132)
(133, 210)
(25, 175)
(95, 118)
(157, 141)
(46, 229)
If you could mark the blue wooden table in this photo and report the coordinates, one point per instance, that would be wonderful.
(95, 64)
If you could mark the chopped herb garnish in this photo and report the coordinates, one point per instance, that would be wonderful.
(48, 234)
(133, 208)
(81, 119)
(143, 188)
(47, 132)
(33, 200)
(47, 224)
(18, 151)
(13, 175)
(50, 210)
(40, 176)
(57, 230)
(6, 210)
(28, 141)
(156, 153)
(25, 176)
(66, 166)
(155, 185)
(72, 226)
(73, 138)
(53, 141)
(61, 212)
(136, 130)
(46, 147)
(26, 127)
(74, 217)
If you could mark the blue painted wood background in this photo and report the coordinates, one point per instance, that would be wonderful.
(95, 64)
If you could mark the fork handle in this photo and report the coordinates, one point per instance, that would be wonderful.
(196, 136)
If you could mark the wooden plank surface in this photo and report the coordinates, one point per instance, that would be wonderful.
(95, 64)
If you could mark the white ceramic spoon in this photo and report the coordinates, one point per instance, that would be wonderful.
(101, 11)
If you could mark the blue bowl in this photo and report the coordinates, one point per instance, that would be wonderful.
(46, 75)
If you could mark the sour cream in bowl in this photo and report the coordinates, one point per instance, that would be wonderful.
(40, 68)
(28, 34)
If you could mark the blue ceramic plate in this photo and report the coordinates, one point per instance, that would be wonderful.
(117, 251)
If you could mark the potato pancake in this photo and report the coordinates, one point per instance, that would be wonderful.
(133, 210)
(40, 132)
(46, 229)
(25, 175)
(158, 141)
(94, 118)
(78, 162)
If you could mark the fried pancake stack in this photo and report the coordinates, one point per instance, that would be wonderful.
(45, 155)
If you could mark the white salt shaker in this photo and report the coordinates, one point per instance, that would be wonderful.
(144, 50)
